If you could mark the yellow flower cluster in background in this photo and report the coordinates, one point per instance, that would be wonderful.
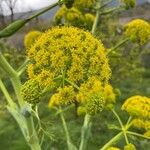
(138, 107)
(30, 38)
(84, 4)
(129, 3)
(64, 96)
(138, 30)
(83, 61)
(76, 15)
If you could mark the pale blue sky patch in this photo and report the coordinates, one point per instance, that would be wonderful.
(27, 5)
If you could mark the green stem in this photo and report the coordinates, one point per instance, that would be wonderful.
(7, 67)
(13, 76)
(105, 4)
(33, 138)
(96, 18)
(22, 68)
(65, 128)
(6, 94)
(113, 141)
(122, 126)
(85, 132)
(45, 10)
(117, 46)
(17, 87)
(109, 11)
(137, 134)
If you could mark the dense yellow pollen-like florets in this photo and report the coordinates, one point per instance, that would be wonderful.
(84, 4)
(80, 57)
(71, 49)
(31, 91)
(64, 96)
(138, 106)
(30, 38)
(138, 30)
(141, 124)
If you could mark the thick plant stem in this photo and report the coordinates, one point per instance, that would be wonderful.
(114, 140)
(6, 94)
(33, 140)
(17, 87)
(6, 66)
(26, 124)
(45, 10)
(85, 132)
(12, 74)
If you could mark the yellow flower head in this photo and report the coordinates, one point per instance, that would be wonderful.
(93, 95)
(80, 57)
(69, 16)
(64, 96)
(130, 147)
(70, 49)
(31, 91)
(129, 3)
(84, 4)
(74, 17)
(137, 106)
(30, 38)
(95, 104)
(138, 30)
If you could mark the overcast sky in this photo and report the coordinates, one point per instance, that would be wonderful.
(27, 5)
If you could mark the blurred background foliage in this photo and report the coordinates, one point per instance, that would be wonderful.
(130, 66)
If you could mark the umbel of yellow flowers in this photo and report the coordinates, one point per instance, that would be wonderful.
(79, 15)
(138, 30)
(139, 108)
(76, 58)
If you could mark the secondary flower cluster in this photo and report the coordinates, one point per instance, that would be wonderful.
(138, 30)
(30, 38)
(65, 57)
(139, 108)
(76, 15)
(129, 3)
